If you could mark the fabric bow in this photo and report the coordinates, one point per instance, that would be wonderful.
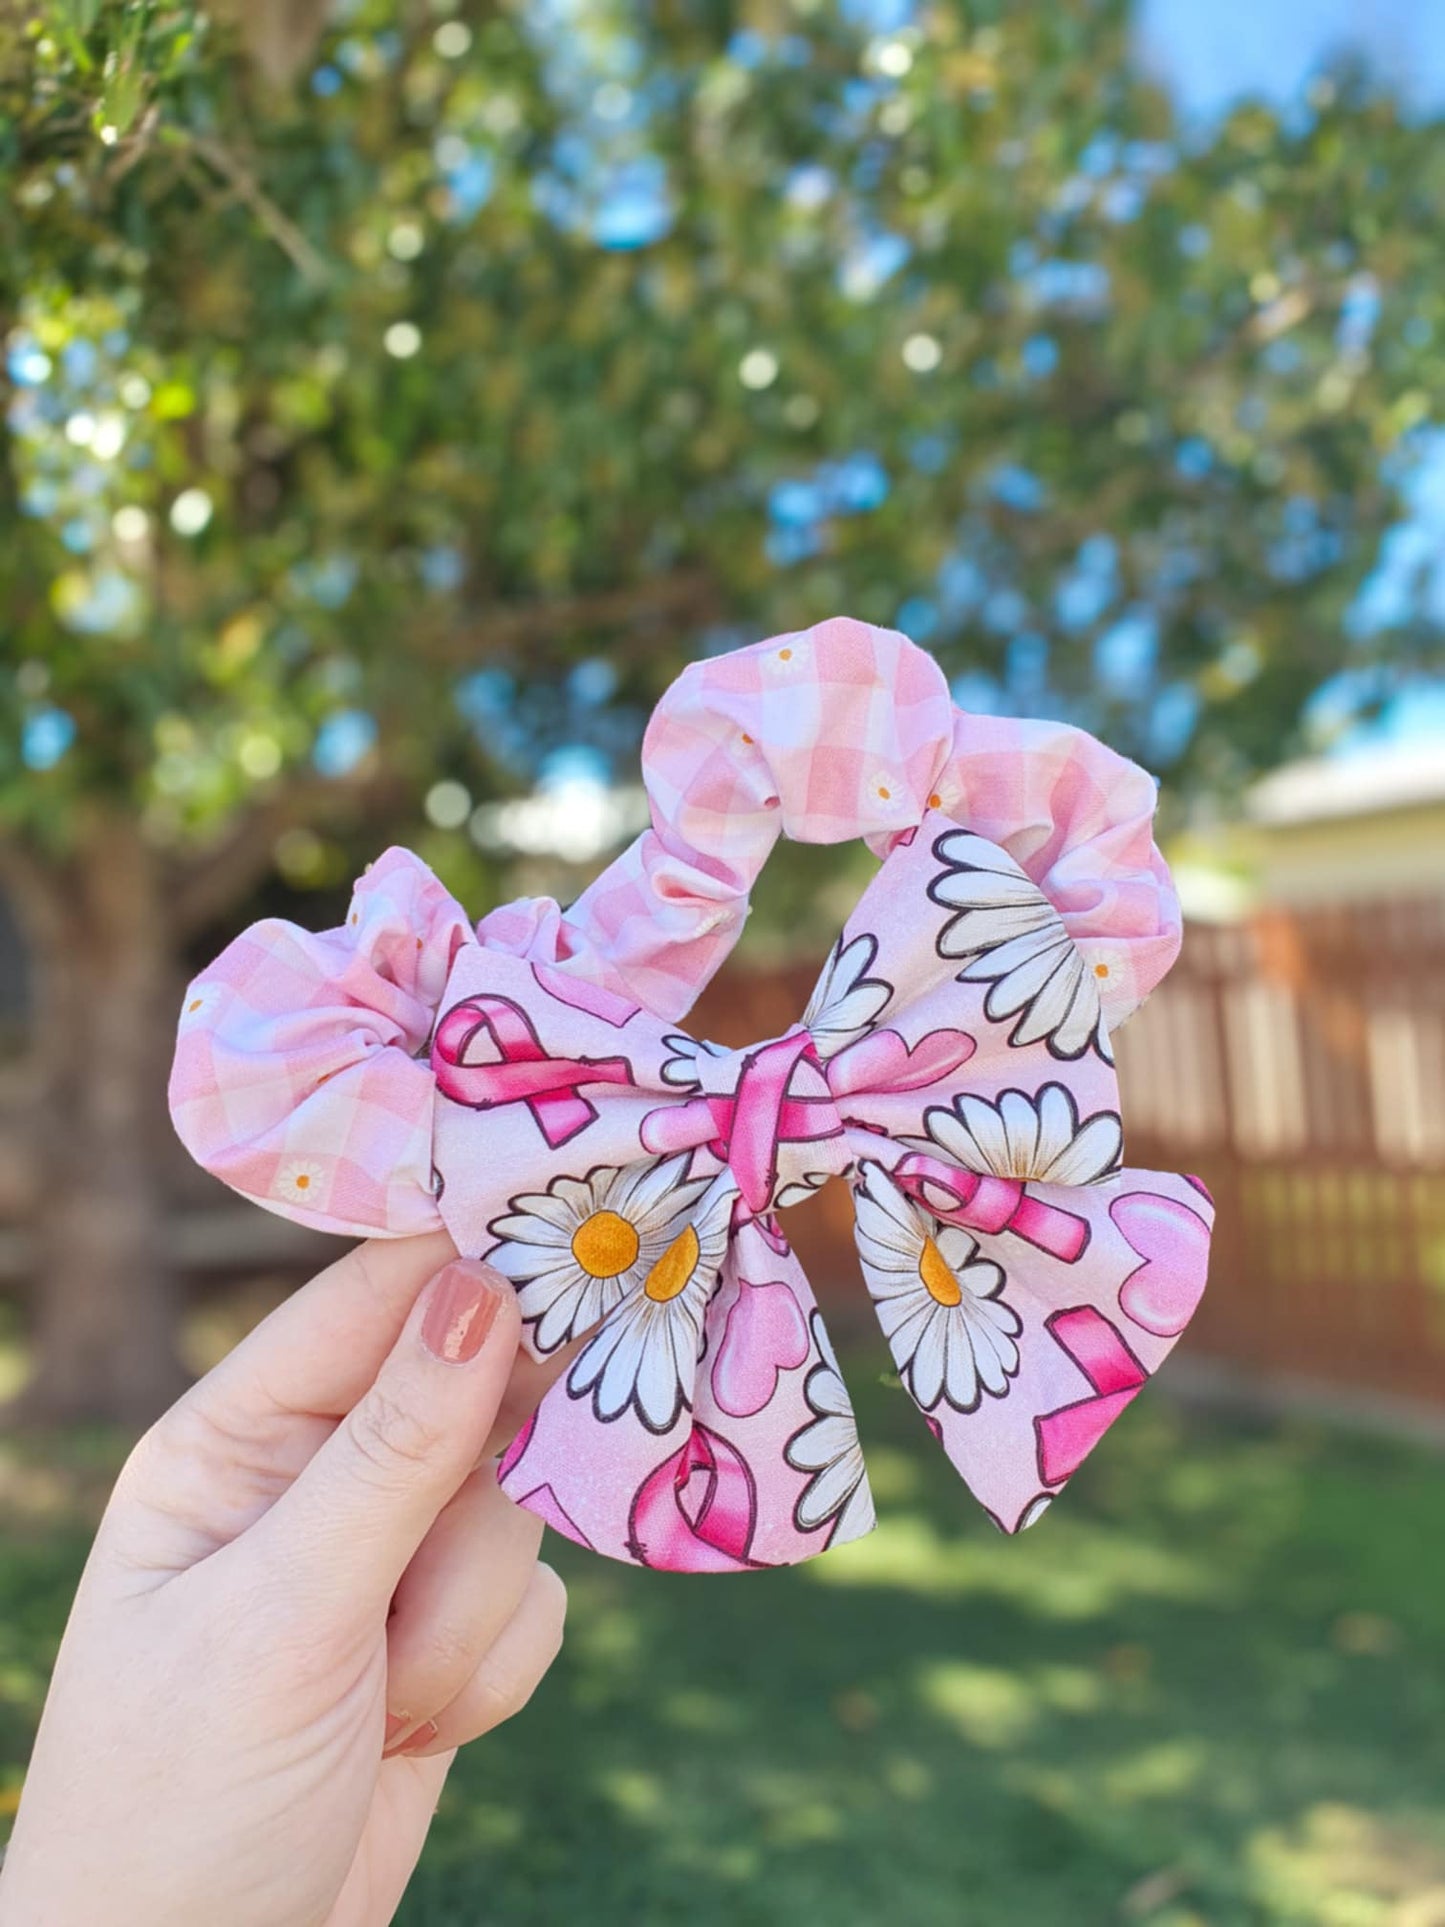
(511, 1082)
(953, 1066)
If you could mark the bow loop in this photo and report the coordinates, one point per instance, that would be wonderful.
(525, 1084)
(1006, 1250)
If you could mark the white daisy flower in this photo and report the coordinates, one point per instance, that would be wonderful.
(680, 1069)
(886, 788)
(828, 1447)
(1015, 941)
(846, 1002)
(300, 1181)
(939, 1303)
(198, 1004)
(788, 657)
(576, 1249)
(646, 1354)
(1035, 1138)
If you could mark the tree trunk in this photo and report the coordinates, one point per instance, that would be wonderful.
(106, 1304)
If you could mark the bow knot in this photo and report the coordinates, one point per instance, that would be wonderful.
(523, 1083)
(768, 1112)
(624, 1176)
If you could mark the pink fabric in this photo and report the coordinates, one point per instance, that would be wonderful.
(801, 736)
(954, 1065)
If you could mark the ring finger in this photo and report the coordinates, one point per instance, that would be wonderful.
(509, 1671)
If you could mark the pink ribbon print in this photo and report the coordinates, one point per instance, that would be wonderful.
(697, 1511)
(993, 1205)
(522, 1072)
(1068, 1435)
(952, 1067)
(700, 1427)
(746, 1128)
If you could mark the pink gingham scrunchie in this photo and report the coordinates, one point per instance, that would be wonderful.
(525, 1083)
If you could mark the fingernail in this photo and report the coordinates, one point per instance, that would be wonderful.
(463, 1304)
(401, 1736)
(422, 1738)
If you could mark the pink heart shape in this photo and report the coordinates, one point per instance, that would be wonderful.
(766, 1334)
(1160, 1294)
(881, 1061)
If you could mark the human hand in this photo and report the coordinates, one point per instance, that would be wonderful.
(305, 1594)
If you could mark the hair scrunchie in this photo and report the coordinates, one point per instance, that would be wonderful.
(524, 1082)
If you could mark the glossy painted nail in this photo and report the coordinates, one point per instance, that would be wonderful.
(461, 1310)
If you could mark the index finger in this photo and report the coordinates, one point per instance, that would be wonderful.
(225, 1452)
(320, 1350)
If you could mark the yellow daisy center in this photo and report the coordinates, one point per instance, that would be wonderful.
(302, 1180)
(939, 1282)
(673, 1269)
(604, 1245)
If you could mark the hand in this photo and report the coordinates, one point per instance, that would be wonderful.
(305, 1594)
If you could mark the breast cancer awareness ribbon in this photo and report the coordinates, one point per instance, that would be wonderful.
(521, 1073)
(1067, 1436)
(526, 1083)
(982, 1170)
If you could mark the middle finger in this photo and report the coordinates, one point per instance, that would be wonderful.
(462, 1586)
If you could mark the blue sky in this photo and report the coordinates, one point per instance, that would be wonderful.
(1211, 51)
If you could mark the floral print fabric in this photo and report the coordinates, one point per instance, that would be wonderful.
(526, 1084)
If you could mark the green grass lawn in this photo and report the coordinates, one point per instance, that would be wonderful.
(1208, 1688)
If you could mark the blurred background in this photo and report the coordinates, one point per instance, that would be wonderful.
(393, 399)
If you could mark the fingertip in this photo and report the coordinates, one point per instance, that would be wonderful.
(367, 1499)
(551, 1590)
(467, 1306)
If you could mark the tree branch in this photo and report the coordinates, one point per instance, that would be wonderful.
(688, 595)
(282, 229)
(215, 877)
(209, 882)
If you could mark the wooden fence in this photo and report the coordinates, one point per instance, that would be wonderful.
(1297, 1064)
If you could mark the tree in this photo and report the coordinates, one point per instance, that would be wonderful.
(408, 404)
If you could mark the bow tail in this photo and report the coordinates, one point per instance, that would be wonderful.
(1020, 1357)
(758, 1464)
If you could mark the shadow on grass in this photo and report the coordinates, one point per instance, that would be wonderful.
(1208, 1688)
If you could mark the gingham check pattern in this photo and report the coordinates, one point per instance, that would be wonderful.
(300, 1076)
(849, 731)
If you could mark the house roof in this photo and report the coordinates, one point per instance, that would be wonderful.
(1364, 782)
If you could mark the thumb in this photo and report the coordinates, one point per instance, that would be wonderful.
(348, 1527)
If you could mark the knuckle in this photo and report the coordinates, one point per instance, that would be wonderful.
(448, 1657)
(178, 1438)
(389, 1437)
(150, 1455)
(501, 1695)
(503, 1690)
(170, 1471)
